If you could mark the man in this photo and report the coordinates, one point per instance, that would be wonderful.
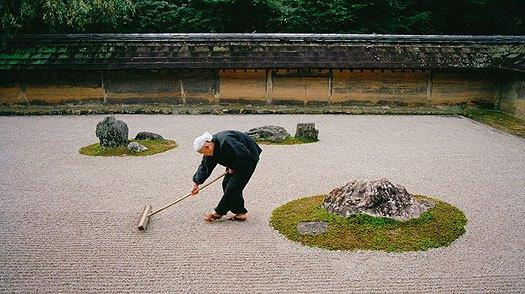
(239, 154)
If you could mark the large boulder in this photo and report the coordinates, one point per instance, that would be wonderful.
(148, 136)
(112, 132)
(268, 133)
(377, 198)
(307, 130)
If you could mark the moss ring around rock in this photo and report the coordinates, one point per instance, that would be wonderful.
(154, 147)
(277, 135)
(437, 227)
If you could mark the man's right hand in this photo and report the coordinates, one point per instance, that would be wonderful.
(195, 189)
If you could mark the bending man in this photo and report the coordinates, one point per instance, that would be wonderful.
(239, 154)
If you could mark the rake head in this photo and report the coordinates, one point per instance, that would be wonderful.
(144, 217)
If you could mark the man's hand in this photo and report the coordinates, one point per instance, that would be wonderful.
(195, 189)
(230, 171)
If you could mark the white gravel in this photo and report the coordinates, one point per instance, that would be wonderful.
(68, 221)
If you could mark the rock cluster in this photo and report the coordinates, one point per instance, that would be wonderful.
(112, 132)
(377, 198)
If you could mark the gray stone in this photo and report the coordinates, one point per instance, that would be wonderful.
(307, 130)
(148, 136)
(268, 133)
(312, 228)
(377, 198)
(112, 132)
(134, 146)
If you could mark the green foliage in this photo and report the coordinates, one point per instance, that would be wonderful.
(437, 227)
(246, 16)
(318, 16)
(154, 16)
(154, 147)
(497, 119)
(65, 16)
(19, 16)
(205, 16)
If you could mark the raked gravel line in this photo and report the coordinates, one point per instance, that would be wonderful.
(67, 221)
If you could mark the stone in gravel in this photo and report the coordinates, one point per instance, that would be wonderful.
(148, 136)
(307, 130)
(312, 228)
(376, 198)
(134, 146)
(112, 132)
(268, 133)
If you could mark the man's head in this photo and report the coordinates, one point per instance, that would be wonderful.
(203, 144)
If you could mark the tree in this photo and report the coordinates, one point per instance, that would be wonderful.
(65, 16)
(246, 16)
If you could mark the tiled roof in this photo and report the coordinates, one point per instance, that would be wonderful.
(223, 51)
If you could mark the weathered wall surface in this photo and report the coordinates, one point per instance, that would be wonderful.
(279, 86)
(511, 97)
(376, 86)
(124, 87)
(111, 87)
(200, 86)
(243, 85)
(161, 86)
(10, 93)
(303, 87)
(450, 88)
(51, 87)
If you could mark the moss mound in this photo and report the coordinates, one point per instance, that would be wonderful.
(154, 147)
(498, 119)
(437, 227)
(288, 141)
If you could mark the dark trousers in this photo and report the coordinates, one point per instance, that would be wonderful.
(232, 185)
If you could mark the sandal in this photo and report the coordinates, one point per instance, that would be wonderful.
(238, 218)
(211, 217)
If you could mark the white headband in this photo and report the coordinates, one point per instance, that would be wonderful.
(199, 142)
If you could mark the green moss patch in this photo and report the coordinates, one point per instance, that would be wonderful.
(498, 119)
(437, 227)
(154, 147)
(288, 141)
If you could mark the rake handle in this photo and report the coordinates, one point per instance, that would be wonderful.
(187, 195)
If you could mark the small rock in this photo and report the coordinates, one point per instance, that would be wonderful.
(148, 136)
(268, 133)
(134, 146)
(112, 132)
(312, 228)
(307, 130)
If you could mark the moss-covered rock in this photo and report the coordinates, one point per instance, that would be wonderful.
(154, 147)
(437, 227)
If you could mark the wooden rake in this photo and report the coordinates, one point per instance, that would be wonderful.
(147, 212)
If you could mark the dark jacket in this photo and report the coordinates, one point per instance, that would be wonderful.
(234, 150)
